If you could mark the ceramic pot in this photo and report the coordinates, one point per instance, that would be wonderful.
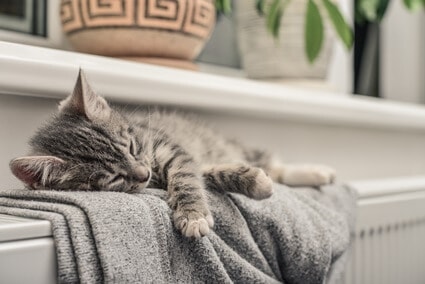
(138, 29)
(264, 57)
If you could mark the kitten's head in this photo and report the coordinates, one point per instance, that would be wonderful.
(86, 146)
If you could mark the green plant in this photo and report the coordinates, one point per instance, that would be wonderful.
(365, 11)
(374, 10)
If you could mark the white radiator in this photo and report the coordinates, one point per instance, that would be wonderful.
(389, 243)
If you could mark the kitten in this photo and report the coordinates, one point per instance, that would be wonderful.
(89, 146)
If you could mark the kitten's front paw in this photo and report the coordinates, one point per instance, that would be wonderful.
(193, 223)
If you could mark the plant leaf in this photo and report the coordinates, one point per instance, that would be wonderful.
(259, 6)
(274, 17)
(343, 30)
(382, 8)
(276, 24)
(219, 5)
(227, 6)
(313, 31)
(413, 5)
(371, 10)
(368, 9)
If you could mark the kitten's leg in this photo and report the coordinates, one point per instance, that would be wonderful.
(302, 175)
(248, 180)
(186, 192)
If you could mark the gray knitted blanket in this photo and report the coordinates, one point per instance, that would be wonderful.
(296, 236)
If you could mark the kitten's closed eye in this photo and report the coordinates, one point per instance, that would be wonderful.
(116, 180)
(133, 149)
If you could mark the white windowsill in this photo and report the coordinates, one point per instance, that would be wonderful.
(34, 71)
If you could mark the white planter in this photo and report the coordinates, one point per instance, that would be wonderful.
(264, 57)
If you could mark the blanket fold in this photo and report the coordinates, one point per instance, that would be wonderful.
(296, 236)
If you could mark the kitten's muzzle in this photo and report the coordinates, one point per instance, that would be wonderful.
(142, 174)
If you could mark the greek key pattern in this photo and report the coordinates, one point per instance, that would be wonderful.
(191, 17)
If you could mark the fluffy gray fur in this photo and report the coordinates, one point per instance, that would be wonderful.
(90, 146)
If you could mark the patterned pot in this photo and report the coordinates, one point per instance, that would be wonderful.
(138, 29)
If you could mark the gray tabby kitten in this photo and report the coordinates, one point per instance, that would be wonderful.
(88, 145)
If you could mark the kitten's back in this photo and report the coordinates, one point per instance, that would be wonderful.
(205, 144)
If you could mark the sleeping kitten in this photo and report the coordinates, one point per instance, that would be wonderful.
(88, 145)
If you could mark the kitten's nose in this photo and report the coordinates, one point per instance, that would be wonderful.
(142, 174)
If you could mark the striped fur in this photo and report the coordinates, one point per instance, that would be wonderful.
(88, 145)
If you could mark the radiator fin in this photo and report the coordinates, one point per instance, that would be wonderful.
(388, 254)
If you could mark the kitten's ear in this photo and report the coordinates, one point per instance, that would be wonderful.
(35, 170)
(84, 101)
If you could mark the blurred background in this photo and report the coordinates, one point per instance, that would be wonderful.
(367, 47)
(385, 60)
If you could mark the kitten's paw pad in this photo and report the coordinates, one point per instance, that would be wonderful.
(194, 224)
(263, 187)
